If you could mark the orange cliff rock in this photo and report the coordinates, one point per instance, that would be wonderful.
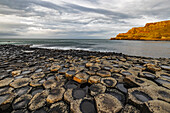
(151, 31)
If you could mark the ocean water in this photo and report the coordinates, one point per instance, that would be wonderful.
(137, 48)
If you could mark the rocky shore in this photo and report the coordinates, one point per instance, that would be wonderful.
(36, 80)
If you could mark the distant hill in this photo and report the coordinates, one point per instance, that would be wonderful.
(151, 31)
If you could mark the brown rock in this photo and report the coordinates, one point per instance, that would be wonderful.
(109, 81)
(20, 82)
(103, 73)
(56, 94)
(59, 107)
(130, 109)
(38, 75)
(16, 73)
(97, 89)
(5, 82)
(156, 106)
(94, 79)
(81, 77)
(107, 103)
(50, 84)
(38, 100)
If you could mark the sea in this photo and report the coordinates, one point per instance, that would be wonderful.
(155, 49)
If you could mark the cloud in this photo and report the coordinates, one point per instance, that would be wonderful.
(77, 18)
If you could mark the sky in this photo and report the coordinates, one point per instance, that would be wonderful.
(72, 19)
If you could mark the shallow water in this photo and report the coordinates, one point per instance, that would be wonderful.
(137, 48)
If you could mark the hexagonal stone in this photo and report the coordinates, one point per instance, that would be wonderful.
(21, 102)
(20, 111)
(89, 64)
(5, 82)
(37, 82)
(20, 82)
(50, 84)
(91, 72)
(137, 96)
(63, 70)
(16, 73)
(152, 67)
(22, 90)
(55, 68)
(83, 106)
(107, 103)
(165, 76)
(38, 100)
(38, 75)
(94, 79)
(70, 73)
(126, 73)
(130, 109)
(59, 107)
(94, 68)
(103, 73)
(6, 90)
(114, 92)
(121, 87)
(156, 106)
(81, 77)
(55, 95)
(97, 89)
(134, 81)
(165, 67)
(109, 81)
(71, 85)
(148, 75)
(163, 82)
(6, 100)
(73, 94)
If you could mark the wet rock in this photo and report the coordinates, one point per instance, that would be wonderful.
(16, 73)
(134, 81)
(94, 68)
(55, 68)
(22, 90)
(63, 70)
(70, 73)
(163, 82)
(73, 94)
(107, 103)
(55, 95)
(59, 107)
(6, 90)
(21, 102)
(165, 76)
(91, 72)
(137, 96)
(156, 106)
(71, 85)
(20, 82)
(50, 84)
(96, 89)
(38, 75)
(94, 79)
(5, 82)
(130, 109)
(103, 73)
(148, 75)
(6, 100)
(83, 106)
(38, 100)
(109, 81)
(165, 67)
(121, 87)
(120, 96)
(81, 77)
(37, 82)
(36, 90)
(126, 73)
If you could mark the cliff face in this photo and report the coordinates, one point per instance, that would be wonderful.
(151, 31)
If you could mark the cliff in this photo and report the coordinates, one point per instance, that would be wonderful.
(151, 31)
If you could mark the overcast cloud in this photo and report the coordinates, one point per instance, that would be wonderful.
(77, 18)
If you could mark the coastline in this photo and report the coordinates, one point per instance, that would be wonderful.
(38, 79)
